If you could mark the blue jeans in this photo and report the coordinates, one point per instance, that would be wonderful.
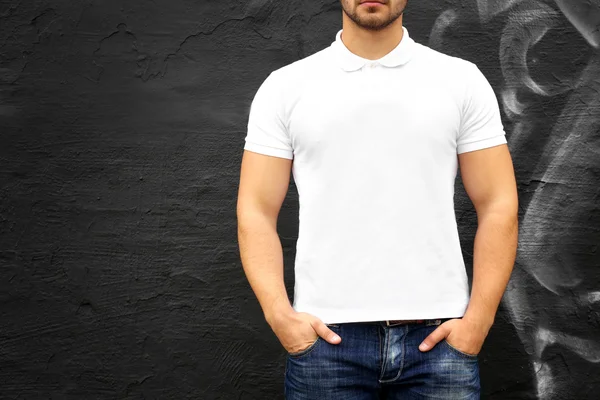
(376, 361)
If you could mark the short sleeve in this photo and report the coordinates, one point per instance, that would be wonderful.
(267, 132)
(481, 125)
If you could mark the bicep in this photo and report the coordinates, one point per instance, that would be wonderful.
(489, 180)
(264, 182)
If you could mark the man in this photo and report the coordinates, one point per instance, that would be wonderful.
(374, 129)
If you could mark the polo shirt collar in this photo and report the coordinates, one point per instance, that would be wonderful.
(349, 61)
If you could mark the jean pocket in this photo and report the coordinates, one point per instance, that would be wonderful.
(459, 352)
(306, 350)
(334, 327)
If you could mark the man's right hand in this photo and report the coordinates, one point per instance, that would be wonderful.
(298, 330)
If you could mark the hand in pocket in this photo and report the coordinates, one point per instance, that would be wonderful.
(297, 331)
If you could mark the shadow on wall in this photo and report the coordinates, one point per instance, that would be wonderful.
(546, 71)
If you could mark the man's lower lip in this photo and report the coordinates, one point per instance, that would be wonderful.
(371, 3)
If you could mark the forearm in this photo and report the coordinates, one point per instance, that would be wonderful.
(493, 260)
(262, 259)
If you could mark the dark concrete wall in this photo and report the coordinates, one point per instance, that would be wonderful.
(121, 131)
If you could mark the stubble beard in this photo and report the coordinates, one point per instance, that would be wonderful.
(370, 19)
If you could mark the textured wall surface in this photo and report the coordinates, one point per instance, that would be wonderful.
(121, 132)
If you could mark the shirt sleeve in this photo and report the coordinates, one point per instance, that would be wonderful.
(481, 125)
(267, 131)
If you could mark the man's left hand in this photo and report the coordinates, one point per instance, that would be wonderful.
(465, 335)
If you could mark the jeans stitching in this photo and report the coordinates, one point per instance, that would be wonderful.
(403, 350)
(380, 351)
(403, 345)
(387, 350)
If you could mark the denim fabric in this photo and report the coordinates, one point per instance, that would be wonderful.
(376, 361)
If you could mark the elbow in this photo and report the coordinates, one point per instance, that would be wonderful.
(505, 207)
(250, 218)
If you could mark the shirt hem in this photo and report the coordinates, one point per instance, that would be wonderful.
(455, 310)
(482, 144)
(269, 151)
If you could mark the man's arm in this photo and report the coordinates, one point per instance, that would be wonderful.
(489, 180)
(264, 182)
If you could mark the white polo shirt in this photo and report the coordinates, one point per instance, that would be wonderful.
(374, 147)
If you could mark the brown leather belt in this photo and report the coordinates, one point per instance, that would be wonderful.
(404, 321)
(435, 321)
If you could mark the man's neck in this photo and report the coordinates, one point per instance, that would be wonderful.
(371, 45)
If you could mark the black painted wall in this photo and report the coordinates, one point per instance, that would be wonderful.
(121, 132)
